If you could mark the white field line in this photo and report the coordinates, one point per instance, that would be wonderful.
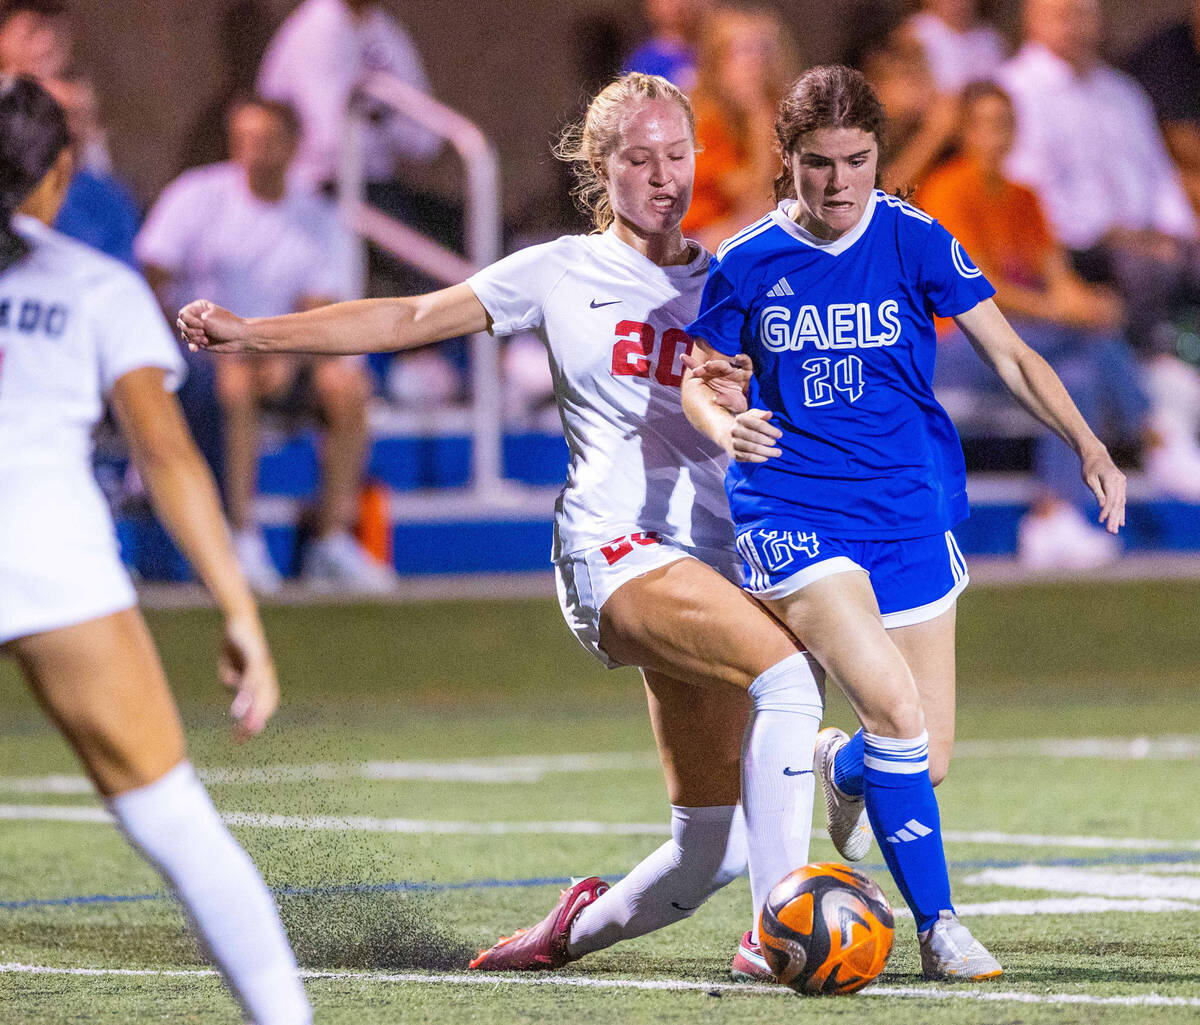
(1097, 882)
(534, 768)
(369, 824)
(577, 982)
(528, 769)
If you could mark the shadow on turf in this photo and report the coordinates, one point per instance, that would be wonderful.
(379, 931)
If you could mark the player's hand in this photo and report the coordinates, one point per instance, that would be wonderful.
(727, 379)
(246, 666)
(1108, 485)
(205, 325)
(752, 439)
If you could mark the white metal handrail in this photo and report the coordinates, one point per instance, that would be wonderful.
(482, 229)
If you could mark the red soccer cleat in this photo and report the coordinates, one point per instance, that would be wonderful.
(749, 965)
(542, 946)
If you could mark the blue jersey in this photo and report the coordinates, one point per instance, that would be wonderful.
(843, 343)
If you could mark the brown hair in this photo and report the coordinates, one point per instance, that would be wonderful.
(828, 96)
(586, 143)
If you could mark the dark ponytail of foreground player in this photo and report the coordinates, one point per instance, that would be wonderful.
(33, 135)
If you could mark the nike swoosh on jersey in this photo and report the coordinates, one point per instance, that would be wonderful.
(595, 305)
(788, 771)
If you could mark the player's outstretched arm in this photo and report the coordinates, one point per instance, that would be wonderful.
(1037, 387)
(185, 496)
(714, 401)
(364, 325)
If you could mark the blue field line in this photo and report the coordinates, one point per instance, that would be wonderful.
(412, 886)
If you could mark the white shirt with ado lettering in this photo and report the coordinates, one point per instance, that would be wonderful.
(72, 323)
(612, 321)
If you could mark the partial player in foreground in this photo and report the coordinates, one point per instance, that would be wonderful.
(643, 549)
(848, 476)
(77, 327)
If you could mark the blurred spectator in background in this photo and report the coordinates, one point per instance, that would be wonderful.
(675, 27)
(960, 47)
(921, 117)
(747, 60)
(1088, 144)
(1074, 325)
(1168, 67)
(240, 233)
(37, 38)
(314, 62)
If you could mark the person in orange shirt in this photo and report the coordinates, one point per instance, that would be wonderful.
(1076, 326)
(747, 60)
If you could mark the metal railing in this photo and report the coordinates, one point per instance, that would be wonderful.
(482, 229)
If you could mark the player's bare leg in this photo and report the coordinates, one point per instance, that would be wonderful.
(103, 686)
(840, 621)
(687, 622)
(928, 648)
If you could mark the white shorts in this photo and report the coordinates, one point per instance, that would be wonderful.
(587, 579)
(59, 561)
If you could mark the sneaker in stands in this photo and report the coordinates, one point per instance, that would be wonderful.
(250, 548)
(749, 965)
(336, 562)
(1056, 535)
(949, 953)
(846, 816)
(542, 946)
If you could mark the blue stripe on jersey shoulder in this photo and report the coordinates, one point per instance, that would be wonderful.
(747, 233)
(896, 203)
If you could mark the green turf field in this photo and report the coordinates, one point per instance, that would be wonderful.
(439, 745)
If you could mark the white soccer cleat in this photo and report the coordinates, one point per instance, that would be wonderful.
(337, 562)
(949, 953)
(846, 816)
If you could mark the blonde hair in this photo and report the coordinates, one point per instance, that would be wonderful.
(586, 143)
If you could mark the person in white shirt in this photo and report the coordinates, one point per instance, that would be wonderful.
(239, 231)
(643, 546)
(77, 328)
(1089, 145)
(320, 53)
(959, 46)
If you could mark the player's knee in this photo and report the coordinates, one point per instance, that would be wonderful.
(235, 389)
(939, 768)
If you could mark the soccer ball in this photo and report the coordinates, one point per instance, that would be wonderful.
(826, 929)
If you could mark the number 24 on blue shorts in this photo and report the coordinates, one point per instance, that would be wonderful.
(914, 579)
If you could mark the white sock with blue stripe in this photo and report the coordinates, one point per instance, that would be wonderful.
(777, 777)
(904, 816)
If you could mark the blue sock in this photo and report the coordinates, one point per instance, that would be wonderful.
(904, 817)
(848, 766)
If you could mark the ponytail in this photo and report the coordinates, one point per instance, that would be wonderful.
(33, 132)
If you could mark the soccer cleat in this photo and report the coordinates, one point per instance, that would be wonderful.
(337, 562)
(749, 965)
(949, 953)
(846, 816)
(250, 547)
(542, 946)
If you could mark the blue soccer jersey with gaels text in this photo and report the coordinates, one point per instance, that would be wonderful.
(843, 343)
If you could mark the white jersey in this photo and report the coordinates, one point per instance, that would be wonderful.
(613, 322)
(72, 322)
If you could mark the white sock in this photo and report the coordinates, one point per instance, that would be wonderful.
(174, 824)
(777, 772)
(707, 850)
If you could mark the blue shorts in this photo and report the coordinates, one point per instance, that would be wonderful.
(915, 579)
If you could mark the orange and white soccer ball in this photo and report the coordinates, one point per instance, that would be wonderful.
(826, 929)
